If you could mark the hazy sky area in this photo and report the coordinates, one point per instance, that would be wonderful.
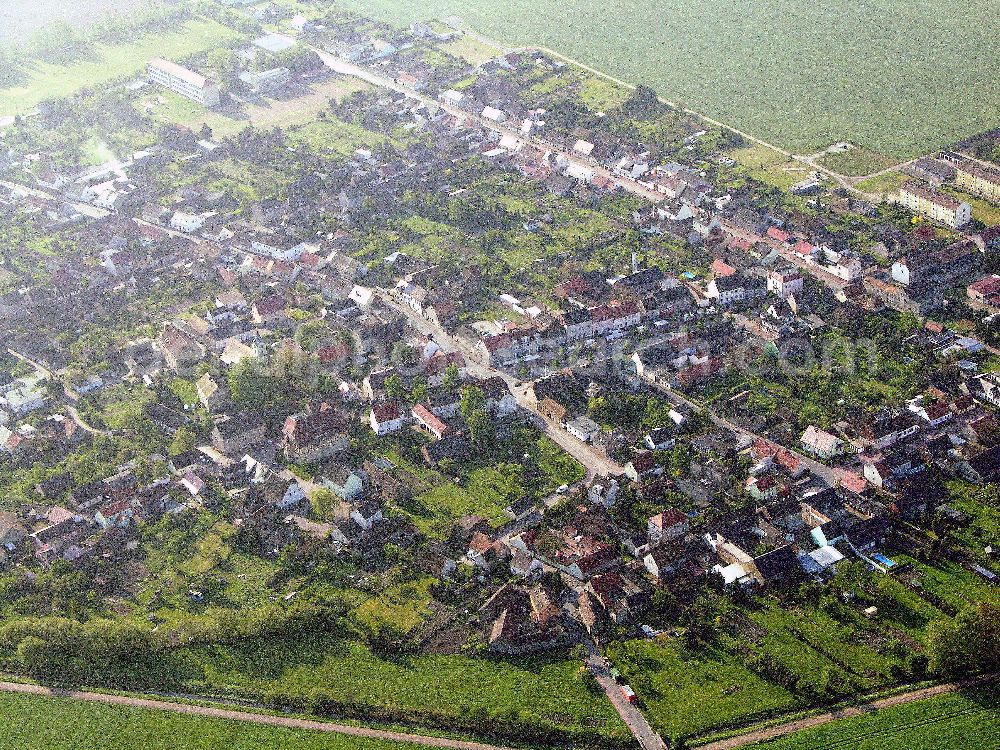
(20, 18)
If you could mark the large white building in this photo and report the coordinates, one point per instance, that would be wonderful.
(185, 82)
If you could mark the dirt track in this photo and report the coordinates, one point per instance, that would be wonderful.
(770, 733)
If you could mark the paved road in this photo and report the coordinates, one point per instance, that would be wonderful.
(39, 368)
(632, 716)
(346, 68)
(247, 716)
(770, 733)
(93, 211)
(84, 208)
(594, 463)
(824, 472)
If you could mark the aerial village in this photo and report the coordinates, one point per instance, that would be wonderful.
(498, 325)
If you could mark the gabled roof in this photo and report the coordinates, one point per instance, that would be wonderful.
(669, 518)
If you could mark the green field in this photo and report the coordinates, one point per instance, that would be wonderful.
(955, 721)
(856, 162)
(166, 106)
(769, 166)
(883, 184)
(108, 62)
(545, 689)
(687, 694)
(33, 722)
(896, 78)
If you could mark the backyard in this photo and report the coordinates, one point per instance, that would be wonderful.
(286, 112)
(545, 689)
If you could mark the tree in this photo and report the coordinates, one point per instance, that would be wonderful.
(394, 386)
(451, 377)
(473, 409)
(643, 104)
(968, 644)
(419, 390)
(185, 439)
(250, 386)
(322, 502)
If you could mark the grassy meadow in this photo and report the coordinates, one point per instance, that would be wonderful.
(955, 721)
(32, 722)
(897, 79)
(543, 689)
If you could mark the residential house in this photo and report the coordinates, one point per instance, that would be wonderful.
(668, 526)
(180, 351)
(935, 205)
(317, 433)
(821, 443)
(583, 428)
(386, 417)
(235, 434)
(428, 421)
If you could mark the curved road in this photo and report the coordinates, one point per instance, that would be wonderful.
(247, 716)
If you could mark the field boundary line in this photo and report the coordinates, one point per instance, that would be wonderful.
(845, 181)
(863, 709)
(249, 717)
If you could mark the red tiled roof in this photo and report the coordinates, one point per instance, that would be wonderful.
(428, 418)
(778, 234)
(333, 353)
(851, 481)
(386, 411)
(721, 268)
(668, 518)
(270, 305)
(803, 248)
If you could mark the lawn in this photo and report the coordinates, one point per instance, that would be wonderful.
(166, 106)
(688, 694)
(108, 62)
(856, 162)
(884, 184)
(401, 607)
(897, 79)
(954, 721)
(558, 466)
(983, 210)
(769, 166)
(434, 511)
(546, 689)
(471, 50)
(809, 641)
(487, 490)
(957, 586)
(332, 135)
(600, 94)
(32, 722)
